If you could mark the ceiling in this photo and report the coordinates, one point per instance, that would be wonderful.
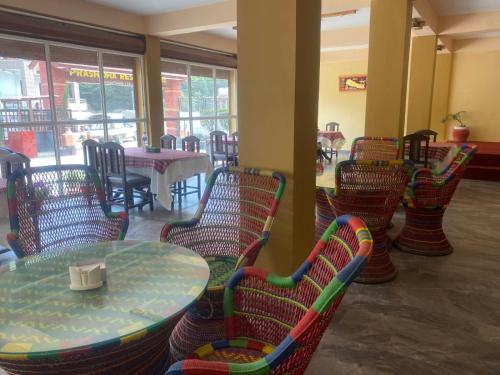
(451, 7)
(149, 7)
(361, 18)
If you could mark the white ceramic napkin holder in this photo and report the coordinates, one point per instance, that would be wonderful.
(87, 276)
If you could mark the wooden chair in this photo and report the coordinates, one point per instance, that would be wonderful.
(429, 133)
(274, 324)
(425, 202)
(374, 148)
(332, 127)
(371, 190)
(168, 141)
(231, 226)
(192, 144)
(12, 161)
(235, 147)
(219, 148)
(92, 156)
(123, 187)
(413, 149)
(62, 206)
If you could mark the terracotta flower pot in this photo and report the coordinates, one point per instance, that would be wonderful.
(460, 134)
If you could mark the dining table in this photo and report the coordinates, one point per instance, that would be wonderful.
(165, 168)
(123, 327)
(331, 139)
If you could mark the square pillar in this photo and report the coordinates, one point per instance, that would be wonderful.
(420, 83)
(154, 92)
(441, 94)
(278, 87)
(390, 27)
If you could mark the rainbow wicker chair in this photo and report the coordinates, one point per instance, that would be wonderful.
(59, 206)
(425, 202)
(372, 190)
(274, 324)
(229, 229)
(374, 148)
(324, 212)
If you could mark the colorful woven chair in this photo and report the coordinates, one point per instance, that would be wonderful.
(59, 206)
(374, 148)
(371, 190)
(274, 324)
(425, 202)
(324, 212)
(229, 229)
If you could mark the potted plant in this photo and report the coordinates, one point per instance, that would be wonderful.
(460, 131)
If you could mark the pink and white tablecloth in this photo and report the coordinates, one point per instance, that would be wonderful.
(166, 167)
(331, 139)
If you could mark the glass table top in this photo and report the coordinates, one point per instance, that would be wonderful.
(148, 283)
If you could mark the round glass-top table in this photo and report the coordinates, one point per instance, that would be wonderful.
(122, 327)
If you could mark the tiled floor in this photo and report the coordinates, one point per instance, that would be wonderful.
(440, 316)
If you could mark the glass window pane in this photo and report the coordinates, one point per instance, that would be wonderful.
(223, 92)
(36, 142)
(75, 76)
(71, 137)
(124, 133)
(120, 78)
(177, 128)
(202, 128)
(175, 90)
(223, 124)
(202, 91)
(24, 95)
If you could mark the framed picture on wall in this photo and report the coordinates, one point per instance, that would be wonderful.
(355, 82)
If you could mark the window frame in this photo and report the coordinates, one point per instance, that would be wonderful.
(56, 124)
(232, 115)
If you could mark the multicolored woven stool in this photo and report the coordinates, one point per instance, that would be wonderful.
(274, 324)
(229, 229)
(374, 148)
(59, 206)
(372, 190)
(425, 202)
(324, 212)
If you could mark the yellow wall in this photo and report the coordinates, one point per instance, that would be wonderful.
(346, 108)
(475, 88)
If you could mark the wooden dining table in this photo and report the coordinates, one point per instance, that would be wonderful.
(335, 140)
(122, 327)
(165, 168)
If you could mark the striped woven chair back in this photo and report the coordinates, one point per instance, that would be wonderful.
(59, 206)
(291, 314)
(237, 209)
(374, 148)
(370, 189)
(324, 212)
(436, 190)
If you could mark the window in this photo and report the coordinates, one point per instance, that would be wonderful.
(198, 99)
(93, 94)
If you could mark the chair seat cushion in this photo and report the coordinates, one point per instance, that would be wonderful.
(132, 179)
(221, 269)
(234, 351)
